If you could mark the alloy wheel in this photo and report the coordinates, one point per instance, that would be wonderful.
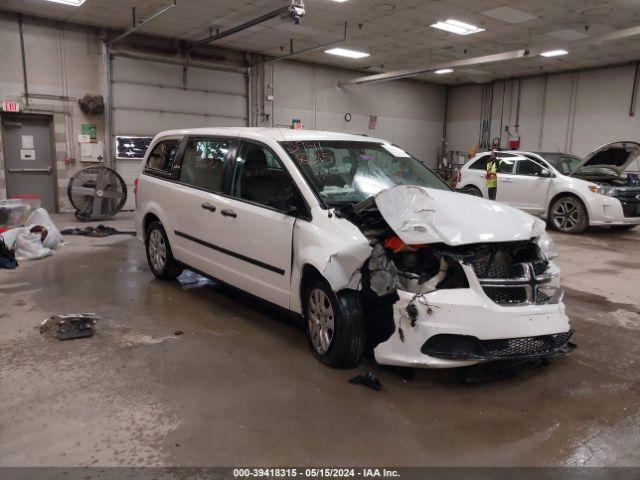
(321, 321)
(566, 214)
(157, 250)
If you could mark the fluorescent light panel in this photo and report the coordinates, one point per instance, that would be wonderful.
(345, 52)
(340, 1)
(74, 3)
(443, 71)
(554, 53)
(457, 27)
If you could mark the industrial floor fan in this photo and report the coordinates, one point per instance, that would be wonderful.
(97, 193)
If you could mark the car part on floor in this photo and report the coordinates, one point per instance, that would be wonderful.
(71, 326)
(97, 193)
(368, 379)
(99, 231)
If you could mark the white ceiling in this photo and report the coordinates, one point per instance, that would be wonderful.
(395, 32)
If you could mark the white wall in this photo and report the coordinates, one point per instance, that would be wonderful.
(62, 61)
(579, 112)
(410, 113)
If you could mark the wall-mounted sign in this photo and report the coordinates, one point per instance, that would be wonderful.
(131, 148)
(11, 106)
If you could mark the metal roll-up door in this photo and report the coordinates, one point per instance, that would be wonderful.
(149, 97)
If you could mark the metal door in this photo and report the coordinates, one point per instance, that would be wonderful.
(29, 157)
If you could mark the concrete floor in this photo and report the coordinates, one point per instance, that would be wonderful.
(239, 387)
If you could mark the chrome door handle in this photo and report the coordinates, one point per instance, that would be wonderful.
(507, 180)
(208, 206)
(30, 170)
(228, 213)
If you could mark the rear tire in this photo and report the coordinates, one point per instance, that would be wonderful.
(472, 190)
(159, 256)
(568, 214)
(335, 326)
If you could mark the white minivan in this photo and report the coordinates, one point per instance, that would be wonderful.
(359, 238)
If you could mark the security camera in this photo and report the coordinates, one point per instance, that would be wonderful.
(296, 11)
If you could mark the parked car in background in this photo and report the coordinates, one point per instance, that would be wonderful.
(570, 192)
(359, 238)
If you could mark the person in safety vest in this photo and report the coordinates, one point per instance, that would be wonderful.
(492, 175)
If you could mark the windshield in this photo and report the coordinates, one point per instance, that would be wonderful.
(346, 172)
(565, 163)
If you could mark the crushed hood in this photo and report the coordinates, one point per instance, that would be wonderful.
(616, 156)
(423, 215)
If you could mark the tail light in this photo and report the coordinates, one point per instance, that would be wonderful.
(135, 190)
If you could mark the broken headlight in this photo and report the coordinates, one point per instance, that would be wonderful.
(547, 245)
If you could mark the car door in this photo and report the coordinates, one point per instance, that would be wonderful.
(475, 174)
(256, 230)
(196, 193)
(506, 193)
(528, 187)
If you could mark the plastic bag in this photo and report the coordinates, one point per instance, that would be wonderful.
(29, 246)
(41, 217)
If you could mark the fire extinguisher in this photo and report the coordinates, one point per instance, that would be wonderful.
(514, 141)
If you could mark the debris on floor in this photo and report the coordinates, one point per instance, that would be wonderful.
(71, 326)
(368, 379)
(36, 239)
(178, 332)
(7, 257)
(99, 231)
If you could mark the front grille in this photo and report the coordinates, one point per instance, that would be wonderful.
(507, 295)
(518, 347)
(518, 283)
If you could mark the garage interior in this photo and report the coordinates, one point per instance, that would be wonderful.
(199, 374)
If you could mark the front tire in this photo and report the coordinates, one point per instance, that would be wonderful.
(568, 214)
(335, 326)
(159, 256)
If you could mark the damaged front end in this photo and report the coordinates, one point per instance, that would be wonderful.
(436, 296)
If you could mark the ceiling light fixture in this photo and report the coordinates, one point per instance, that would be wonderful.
(340, 1)
(457, 27)
(73, 3)
(554, 53)
(443, 71)
(345, 52)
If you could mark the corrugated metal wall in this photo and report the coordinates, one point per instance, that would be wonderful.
(149, 97)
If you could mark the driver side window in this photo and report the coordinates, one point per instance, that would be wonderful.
(261, 178)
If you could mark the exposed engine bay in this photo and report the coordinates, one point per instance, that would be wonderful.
(509, 272)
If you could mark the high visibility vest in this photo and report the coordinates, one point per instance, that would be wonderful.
(492, 174)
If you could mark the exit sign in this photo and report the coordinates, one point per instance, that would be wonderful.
(11, 106)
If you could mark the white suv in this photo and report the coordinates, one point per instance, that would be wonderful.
(570, 192)
(357, 236)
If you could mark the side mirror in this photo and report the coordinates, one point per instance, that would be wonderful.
(546, 173)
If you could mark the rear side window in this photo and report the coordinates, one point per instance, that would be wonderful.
(480, 164)
(203, 163)
(163, 155)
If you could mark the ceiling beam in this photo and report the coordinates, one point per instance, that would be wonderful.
(306, 50)
(143, 22)
(488, 59)
(251, 23)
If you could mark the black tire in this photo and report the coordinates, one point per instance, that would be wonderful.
(168, 269)
(623, 227)
(568, 214)
(472, 190)
(348, 337)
